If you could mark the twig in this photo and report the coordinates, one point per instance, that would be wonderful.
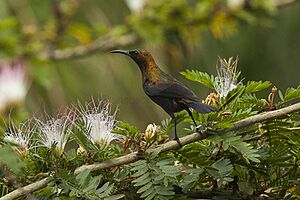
(266, 116)
(62, 22)
(281, 3)
(27, 189)
(293, 129)
(129, 158)
(104, 43)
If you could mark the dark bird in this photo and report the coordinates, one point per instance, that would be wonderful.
(164, 90)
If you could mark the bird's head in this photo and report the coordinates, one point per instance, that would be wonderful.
(142, 57)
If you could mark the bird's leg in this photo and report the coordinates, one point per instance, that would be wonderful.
(175, 129)
(191, 115)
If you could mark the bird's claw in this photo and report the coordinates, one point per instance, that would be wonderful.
(201, 129)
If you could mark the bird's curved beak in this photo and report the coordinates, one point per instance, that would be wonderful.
(126, 52)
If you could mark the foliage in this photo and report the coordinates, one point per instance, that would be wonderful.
(290, 94)
(261, 158)
(200, 77)
(185, 19)
(258, 161)
(85, 186)
(155, 177)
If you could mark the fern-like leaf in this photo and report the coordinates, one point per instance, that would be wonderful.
(200, 77)
(255, 86)
(292, 93)
(154, 178)
(221, 169)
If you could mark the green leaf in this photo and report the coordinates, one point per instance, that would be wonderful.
(170, 169)
(195, 171)
(166, 191)
(280, 95)
(159, 178)
(247, 151)
(165, 162)
(103, 188)
(254, 86)
(3, 189)
(151, 195)
(155, 153)
(143, 182)
(80, 133)
(224, 167)
(137, 163)
(93, 184)
(141, 178)
(236, 143)
(117, 196)
(107, 191)
(148, 192)
(292, 93)
(145, 187)
(11, 159)
(82, 177)
(245, 187)
(233, 95)
(139, 167)
(140, 172)
(200, 77)
(252, 101)
(71, 155)
(126, 129)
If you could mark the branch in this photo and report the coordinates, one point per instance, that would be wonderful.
(104, 43)
(62, 22)
(27, 189)
(190, 139)
(129, 158)
(281, 3)
(266, 116)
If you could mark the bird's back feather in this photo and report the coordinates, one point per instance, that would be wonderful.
(201, 107)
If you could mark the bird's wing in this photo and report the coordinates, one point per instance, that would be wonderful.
(174, 89)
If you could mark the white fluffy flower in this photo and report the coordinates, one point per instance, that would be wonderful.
(227, 76)
(13, 84)
(135, 5)
(100, 122)
(54, 132)
(20, 135)
(235, 4)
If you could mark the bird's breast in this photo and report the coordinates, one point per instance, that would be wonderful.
(149, 83)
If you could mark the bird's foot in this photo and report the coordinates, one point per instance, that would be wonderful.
(178, 141)
(201, 128)
(205, 131)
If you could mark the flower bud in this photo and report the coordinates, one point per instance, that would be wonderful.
(150, 132)
(80, 150)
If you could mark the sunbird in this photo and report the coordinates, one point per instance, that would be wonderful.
(167, 92)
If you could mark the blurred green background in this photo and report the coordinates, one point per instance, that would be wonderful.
(180, 34)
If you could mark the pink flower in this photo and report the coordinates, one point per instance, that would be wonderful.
(13, 83)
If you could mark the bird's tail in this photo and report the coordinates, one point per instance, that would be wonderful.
(201, 107)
